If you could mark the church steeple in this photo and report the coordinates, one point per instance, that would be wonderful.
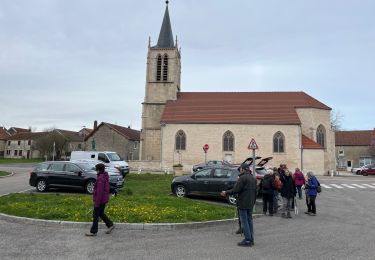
(165, 36)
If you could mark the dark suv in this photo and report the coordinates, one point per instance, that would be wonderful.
(69, 175)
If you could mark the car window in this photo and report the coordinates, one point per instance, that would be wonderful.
(69, 167)
(56, 167)
(41, 167)
(219, 163)
(114, 157)
(102, 157)
(203, 174)
(87, 166)
(222, 173)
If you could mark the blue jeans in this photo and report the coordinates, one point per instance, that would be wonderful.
(247, 224)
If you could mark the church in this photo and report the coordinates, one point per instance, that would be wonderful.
(292, 127)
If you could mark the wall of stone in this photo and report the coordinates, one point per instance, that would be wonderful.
(106, 139)
(199, 134)
(311, 118)
(353, 154)
(313, 160)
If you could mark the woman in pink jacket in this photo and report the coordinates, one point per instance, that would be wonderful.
(299, 180)
(100, 198)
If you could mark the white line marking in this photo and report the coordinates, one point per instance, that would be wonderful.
(346, 185)
(337, 186)
(368, 185)
(325, 186)
(359, 186)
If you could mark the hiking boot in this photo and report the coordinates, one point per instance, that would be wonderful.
(239, 231)
(270, 215)
(89, 234)
(245, 243)
(283, 215)
(312, 214)
(288, 215)
(109, 230)
(307, 212)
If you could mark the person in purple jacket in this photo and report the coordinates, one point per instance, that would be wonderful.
(100, 198)
(311, 193)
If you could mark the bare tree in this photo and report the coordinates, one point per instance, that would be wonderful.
(336, 120)
(52, 142)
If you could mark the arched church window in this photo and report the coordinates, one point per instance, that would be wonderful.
(180, 140)
(158, 68)
(228, 141)
(321, 135)
(278, 142)
(165, 67)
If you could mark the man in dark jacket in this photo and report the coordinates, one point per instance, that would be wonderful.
(288, 192)
(246, 188)
(100, 199)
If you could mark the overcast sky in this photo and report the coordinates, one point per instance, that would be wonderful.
(66, 63)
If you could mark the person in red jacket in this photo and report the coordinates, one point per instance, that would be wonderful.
(299, 180)
(100, 198)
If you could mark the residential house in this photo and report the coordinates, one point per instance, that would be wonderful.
(110, 137)
(4, 135)
(355, 149)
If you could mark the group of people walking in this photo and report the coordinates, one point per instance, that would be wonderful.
(277, 182)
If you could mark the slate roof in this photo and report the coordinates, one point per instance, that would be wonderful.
(307, 143)
(70, 135)
(238, 107)
(165, 39)
(128, 133)
(354, 138)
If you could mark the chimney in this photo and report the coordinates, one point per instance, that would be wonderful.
(95, 124)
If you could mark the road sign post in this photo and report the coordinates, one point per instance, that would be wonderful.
(253, 146)
(205, 149)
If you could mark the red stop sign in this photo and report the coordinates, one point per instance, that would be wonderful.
(205, 147)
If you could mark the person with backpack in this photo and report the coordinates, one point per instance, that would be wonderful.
(288, 192)
(266, 188)
(299, 180)
(311, 188)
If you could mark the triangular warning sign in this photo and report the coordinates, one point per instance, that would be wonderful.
(252, 144)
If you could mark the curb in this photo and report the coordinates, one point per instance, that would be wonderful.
(121, 226)
(9, 175)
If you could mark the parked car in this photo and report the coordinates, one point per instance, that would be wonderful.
(368, 170)
(110, 159)
(66, 174)
(356, 170)
(211, 163)
(208, 182)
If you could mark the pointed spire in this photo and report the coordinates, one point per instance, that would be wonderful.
(166, 37)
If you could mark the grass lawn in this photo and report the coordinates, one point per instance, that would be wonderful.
(144, 198)
(9, 161)
(4, 173)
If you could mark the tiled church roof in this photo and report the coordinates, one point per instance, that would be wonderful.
(307, 143)
(238, 107)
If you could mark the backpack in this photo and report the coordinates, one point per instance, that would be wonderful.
(299, 177)
(277, 182)
(318, 188)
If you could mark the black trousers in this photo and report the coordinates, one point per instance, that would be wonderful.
(310, 202)
(97, 213)
(268, 203)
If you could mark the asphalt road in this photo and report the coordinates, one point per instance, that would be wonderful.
(18, 182)
(342, 229)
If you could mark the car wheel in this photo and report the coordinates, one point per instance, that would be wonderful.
(232, 199)
(364, 174)
(41, 185)
(89, 187)
(358, 172)
(180, 191)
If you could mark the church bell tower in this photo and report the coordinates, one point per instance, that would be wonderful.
(162, 84)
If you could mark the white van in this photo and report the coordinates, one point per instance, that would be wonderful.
(110, 159)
